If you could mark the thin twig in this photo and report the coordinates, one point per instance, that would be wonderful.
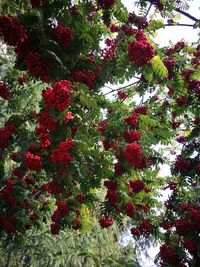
(2, 188)
(142, 100)
(135, 77)
(180, 24)
(186, 14)
(148, 10)
(37, 193)
(108, 87)
(118, 89)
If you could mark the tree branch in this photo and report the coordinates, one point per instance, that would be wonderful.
(180, 24)
(2, 188)
(148, 10)
(118, 89)
(186, 14)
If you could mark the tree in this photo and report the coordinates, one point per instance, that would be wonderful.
(68, 148)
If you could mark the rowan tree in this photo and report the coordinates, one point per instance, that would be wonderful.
(67, 147)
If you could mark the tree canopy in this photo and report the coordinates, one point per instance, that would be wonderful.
(73, 157)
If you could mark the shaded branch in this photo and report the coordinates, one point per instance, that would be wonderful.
(186, 14)
(2, 188)
(142, 101)
(148, 10)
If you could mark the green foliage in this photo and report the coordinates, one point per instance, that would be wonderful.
(70, 248)
(156, 70)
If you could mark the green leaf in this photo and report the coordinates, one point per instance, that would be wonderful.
(147, 121)
(158, 67)
(196, 74)
(155, 25)
(148, 73)
(88, 101)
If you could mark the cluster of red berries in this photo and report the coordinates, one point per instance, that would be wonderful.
(62, 210)
(35, 66)
(7, 223)
(60, 153)
(118, 169)
(186, 73)
(141, 22)
(15, 34)
(44, 140)
(8, 197)
(106, 4)
(6, 134)
(144, 229)
(108, 52)
(53, 188)
(141, 110)
(77, 223)
(196, 60)
(169, 255)
(85, 76)
(122, 95)
(12, 30)
(136, 186)
(63, 36)
(36, 3)
(128, 30)
(191, 247)
(159, 5)
(22, 80)
(175, 49)
(132, 120)
(181, 101)
(23, 49)
(110, 184)
(184, 226)
(80, 198)
(131, 136)
(130, 209)
(170, 64)
(106, 222)
(194, 86)
(32, 161)
(133, 154)
(5, 91)
(140, 51)
(112, 195)
(59, 96)
(114, 28)
(181, 164)
(46, 122)
(175, 124)
(102, 127)
(107, 144)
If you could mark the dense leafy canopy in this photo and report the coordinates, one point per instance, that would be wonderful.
(71, 156)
